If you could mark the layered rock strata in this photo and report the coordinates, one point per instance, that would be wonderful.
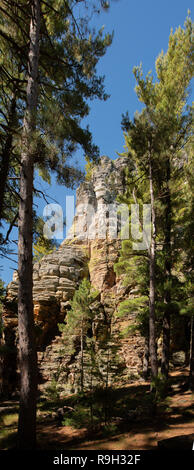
(91, 249)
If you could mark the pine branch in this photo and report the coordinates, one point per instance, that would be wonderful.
(13, 43)
(13, 224)
(13, 191)
(5, 12)
(44, 195)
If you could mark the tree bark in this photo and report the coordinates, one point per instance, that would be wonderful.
(191, 359)
(6, 153)
(146, 358)
(152, 326)
(82, 356)
(27, 349)
(167, 294)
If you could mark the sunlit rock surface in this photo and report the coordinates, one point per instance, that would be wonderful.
(91, 250)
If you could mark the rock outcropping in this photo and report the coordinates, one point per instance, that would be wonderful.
(91, 250)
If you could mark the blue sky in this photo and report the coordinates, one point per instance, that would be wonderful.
(141, 31)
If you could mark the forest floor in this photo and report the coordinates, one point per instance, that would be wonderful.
(134, 426)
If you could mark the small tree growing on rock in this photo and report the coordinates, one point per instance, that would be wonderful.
(78, 321)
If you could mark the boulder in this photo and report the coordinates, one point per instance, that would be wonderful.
(179, 358)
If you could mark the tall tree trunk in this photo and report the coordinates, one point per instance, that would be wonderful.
(191, 359)
(27, 349)
(82, 357)
(146, 358)
(152, 326)
(106, 403)
(167, 294)
(6, 153)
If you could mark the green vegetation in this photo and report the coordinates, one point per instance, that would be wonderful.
(42, 246)
(158, 146)
(48, 71)
(78, 321)
(88, 169)
(2, 296)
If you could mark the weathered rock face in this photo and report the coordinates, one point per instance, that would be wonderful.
(91, 249)
(56, 277)
(55, 280)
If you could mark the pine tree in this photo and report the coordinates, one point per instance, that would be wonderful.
(185, 249)
(57, 56)
(13, 84)
(2, 295)
(78, 321)
(157, 136)
(142, 146)
(41, 246)
(109, 367)
(27, 349)
(68, 55)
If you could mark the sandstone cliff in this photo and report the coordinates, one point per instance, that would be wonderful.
(92, 252)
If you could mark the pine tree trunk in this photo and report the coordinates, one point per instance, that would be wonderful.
(191, 361)
(166, 341)
(167, 294)
(27, 349)
(82, 357)
(6, 154)
(106, 387)
(146, 358)
(152, 327)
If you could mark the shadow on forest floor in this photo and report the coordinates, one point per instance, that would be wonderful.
(132, 425)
